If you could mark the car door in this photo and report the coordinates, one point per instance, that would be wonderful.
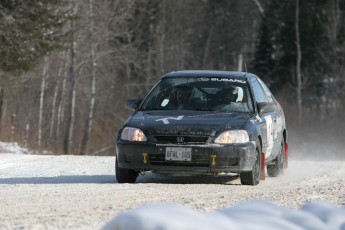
(278, 117)
(267, 119)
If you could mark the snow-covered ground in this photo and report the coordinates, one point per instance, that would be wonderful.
(251, 215)
(80, 192)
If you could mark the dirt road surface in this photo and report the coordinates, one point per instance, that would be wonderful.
(81, 192)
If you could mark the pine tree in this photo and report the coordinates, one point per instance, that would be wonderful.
(276, 48)
(28, 31)
(320, 36)
(266, 59)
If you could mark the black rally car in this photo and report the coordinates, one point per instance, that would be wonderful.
(204, 122)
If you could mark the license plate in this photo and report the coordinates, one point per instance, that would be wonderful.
(178, 154)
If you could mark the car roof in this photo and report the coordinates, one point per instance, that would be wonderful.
(209, 73)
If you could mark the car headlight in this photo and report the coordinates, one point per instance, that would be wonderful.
(132, 134)
(232, 137)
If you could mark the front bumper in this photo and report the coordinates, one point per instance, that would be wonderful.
(206, 159)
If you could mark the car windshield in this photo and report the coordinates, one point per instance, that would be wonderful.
(200, 93)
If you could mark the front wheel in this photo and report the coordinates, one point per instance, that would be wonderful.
(253, 177)
(125, 175)
(278, 167)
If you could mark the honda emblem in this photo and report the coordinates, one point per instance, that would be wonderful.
(180, 139)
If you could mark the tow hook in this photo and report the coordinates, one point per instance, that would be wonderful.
(213, 157)
(145, 158)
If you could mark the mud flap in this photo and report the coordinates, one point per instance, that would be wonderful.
(262, 174)
(286, 149)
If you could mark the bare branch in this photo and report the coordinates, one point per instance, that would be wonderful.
(258, 4)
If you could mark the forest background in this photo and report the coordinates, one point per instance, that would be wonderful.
(68, 67)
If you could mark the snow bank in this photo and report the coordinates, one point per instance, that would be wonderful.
(251, 215)
(12, 147)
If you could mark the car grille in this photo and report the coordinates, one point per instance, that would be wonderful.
(200, 158)
(181, 139)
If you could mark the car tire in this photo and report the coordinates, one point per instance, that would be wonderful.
(125, 175)
(279, 163)
(253, 177)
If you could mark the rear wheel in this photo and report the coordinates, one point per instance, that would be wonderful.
(125, 175)
(253, 177)
(277, 168)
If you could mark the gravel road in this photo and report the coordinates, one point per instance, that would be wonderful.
(80, 192)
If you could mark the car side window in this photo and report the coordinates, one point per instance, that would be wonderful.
(259, 93)
(266, 90)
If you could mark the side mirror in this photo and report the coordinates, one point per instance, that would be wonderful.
(265, 107)
(133, 104)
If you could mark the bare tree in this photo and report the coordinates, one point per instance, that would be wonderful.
(68, 138)
(88, 120)
(118, 50)
(260, 8)
(60, 112)
(298, 64)
(54, 114)
(1, 110)
(332, 55)
(43, 85)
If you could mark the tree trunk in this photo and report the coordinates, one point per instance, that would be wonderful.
(60, 115)
(207, 48)
(43, 85)
(1, 104)
(258, 5)
(240, 62)
(88, 123)
(72, 91)
(298, 65)
(162, 40)
(56, 89)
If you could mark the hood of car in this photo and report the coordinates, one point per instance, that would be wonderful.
(187, 122)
